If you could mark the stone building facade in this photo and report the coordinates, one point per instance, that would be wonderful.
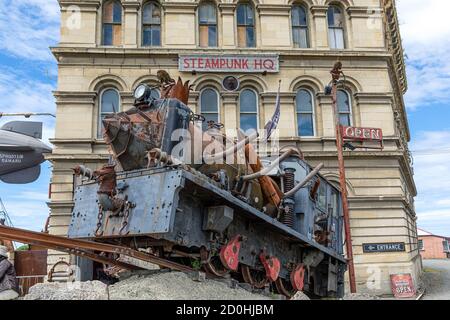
(108, 47)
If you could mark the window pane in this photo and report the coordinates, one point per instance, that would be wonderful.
(117, 14)
(209, 101)
(107, 34)
(207, 13)
(304, 101)
(247, 101)
(156, 36)
(344, 119)
(249, 16)
(110, 101)
(295, 16)
(242, 38)
(209, 117)
(335, 18)
(305, 125)
(339, 38)
(250, 37)
(108, 12)
(212, 36)
(241, 14)
(299, 16)
(249, 122)
(343, 101)
(204, 34)
(117, 35)
(300, 37)
(152, 14)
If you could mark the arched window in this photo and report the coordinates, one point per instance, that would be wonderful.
(151, 24)
(246, 25)
(299, 26)
(209, 106)
(344, 108)
(112, 23)
(336, 27)
(207, 21)
(305, 113)
(248, 108)
(109, 104)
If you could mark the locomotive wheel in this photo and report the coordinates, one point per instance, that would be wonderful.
(255, 278)
(285, 288)
(212, 265)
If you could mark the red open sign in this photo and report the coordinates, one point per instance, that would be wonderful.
(402, 286)
(361, 134)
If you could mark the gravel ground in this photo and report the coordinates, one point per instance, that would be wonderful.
(436, 279)
(150, 286)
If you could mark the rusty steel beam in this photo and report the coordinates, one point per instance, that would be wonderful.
(336, 74)
(85, 248)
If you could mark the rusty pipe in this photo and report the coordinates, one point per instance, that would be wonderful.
(272, 166)
(233, 149)
(304, 182)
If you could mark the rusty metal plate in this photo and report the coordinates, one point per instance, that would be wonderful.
(155, 197)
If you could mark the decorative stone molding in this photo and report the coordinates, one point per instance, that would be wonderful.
(319, 11)
(273, 10)
(68, 97)
(85, 6)
(180, 7)
(364, 12)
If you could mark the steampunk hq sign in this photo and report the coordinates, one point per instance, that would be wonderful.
(384, 247)
(256, 63)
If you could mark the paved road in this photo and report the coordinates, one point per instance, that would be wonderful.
(437, 279)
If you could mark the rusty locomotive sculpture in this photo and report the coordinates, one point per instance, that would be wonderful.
(272, 222)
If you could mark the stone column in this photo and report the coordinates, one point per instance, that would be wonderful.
(229, 111)
(131, 34)
(320, 25)
(227, 38)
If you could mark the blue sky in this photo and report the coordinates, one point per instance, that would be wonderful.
(28, 76)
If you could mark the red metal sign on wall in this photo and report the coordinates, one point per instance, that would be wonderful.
(362, 134)
(402, 286)
(229, 63)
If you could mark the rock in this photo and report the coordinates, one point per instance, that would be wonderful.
(300, 296)
(90, 290)
(359, 296)
(176, 286)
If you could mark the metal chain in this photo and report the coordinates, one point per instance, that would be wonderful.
(128, 206)
(98, 232)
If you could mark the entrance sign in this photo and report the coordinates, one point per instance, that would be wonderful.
(255, 63)
(402, 286)
(384, 247)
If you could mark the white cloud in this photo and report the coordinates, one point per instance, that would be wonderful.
(426, 37)
(432, 176)
(28, 27)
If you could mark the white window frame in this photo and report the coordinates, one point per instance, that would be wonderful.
(313, 102)
(257, 106)
(156, 3)
(218, 102)
(307, 27)
(350, 107)
(100, 113)
(199, 24)
(421, 247)
(330, 28)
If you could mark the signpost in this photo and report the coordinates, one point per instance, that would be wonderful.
(255, 63)
(336, 74)
(384, 247)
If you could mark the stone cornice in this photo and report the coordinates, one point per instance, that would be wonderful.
(180, 7)
(319, 11)
(85, 5)
(273, 10)
(364, 12)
